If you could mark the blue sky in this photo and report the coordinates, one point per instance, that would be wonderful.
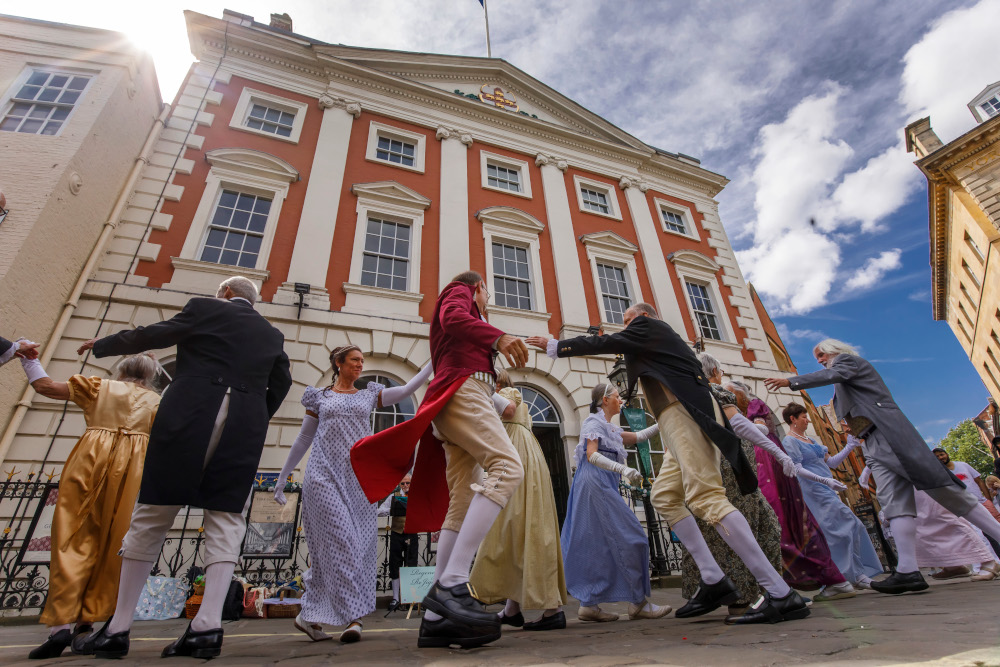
(801, 104)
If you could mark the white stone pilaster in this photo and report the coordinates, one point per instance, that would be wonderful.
(569, 278)
(314, 239)
(453, 236)
(647, 231)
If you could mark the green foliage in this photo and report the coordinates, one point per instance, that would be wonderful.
(963, 444)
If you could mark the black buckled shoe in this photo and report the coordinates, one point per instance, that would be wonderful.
(459, 604)
(393, 605)
(53, 646)
(104, 645)
(445, 632)
(203, 644)
(556, 621)
(709, 597)
(901, 582)
(772, 610)
(81, 634)
(515, 621)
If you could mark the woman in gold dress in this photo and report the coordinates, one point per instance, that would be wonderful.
(97, 491)
(520, 560)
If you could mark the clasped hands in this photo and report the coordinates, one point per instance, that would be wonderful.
(26, 349)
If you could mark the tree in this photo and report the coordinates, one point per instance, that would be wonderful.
(963, 444)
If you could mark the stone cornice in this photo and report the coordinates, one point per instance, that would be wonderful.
(941, 164)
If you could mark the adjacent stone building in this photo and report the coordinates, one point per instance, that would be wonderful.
(963, 190)
(351, 184)
(77, 107)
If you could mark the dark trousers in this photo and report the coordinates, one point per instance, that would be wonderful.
(402, 551)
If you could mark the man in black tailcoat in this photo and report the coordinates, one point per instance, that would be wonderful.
(204, 447)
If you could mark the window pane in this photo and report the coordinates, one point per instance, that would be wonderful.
(210, 255)
(240, 220)
(215, 237)
(245, 202)
(229, 257)
(248, 260)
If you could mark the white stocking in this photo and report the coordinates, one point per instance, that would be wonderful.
(53, 629)
(477, 523)
(446, 542)
(133, 578)
(984, 521)
(395, 589)
(904, 531)
(690, 536)
(512, 608)
(218, 576)
(735, 530)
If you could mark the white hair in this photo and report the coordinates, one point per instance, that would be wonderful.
(709, 364)
(834, 346)
(137, 368)
(241, 287)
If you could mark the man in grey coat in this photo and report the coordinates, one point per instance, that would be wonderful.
(895, 452)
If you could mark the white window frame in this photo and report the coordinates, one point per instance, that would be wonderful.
(249, 96)
(505, 224)
(376, 130)
(716, 310)
(247, 171)
(691, 229)
(695, 267)
(521, 166)
(29, 69)
(392, 202)
(611, 249)
(609, 190)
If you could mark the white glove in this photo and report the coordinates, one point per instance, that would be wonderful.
(604, 463)
(500, 403)
(838, 458)
(33, 369)
(761, 426)
(647, 433)
(747, 430)
(865, 476)
(633, 476)
(393, 395)
(302, 443)
(826, 481)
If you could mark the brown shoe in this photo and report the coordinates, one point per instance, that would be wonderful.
(952, 573)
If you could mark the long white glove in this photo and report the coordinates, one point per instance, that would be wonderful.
(393, 395)
(299, 448)
(647, 433)
(11, 351)
(826, 481)
(33, 369)
(866, 475)
(500, 403)
(838, 458)
(601, 461)
(747, 430)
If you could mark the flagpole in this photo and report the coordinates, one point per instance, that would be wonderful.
(489, 50)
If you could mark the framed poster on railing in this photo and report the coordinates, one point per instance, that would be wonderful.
(37, 547)
(271, 526)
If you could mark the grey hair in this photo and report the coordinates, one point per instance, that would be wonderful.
(241, 287)
(742, 388)
(645, 309)
(137, 368)
(834, 346)
(709, 364)
(599, 393)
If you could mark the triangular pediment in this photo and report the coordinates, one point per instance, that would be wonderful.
(609, 241)
(491, 85)
(391, 192)
(253, 162)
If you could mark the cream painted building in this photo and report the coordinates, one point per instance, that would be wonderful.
(963, 183)
(357, 182)
(77, 106)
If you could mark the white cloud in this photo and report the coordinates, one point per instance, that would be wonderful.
(874, 269)
(953, 62)
(876, 190)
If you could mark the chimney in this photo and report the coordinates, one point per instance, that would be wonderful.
(281, 22)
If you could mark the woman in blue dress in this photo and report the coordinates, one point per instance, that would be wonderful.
(604, 547)
(849, 543)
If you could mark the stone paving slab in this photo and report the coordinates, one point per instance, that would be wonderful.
(955, 624)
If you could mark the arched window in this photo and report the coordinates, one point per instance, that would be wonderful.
(543, 413)
(383, 418)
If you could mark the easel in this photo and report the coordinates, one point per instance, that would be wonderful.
(413, 605)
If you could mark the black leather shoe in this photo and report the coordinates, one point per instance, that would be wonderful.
(772, 610)
(458, 604)
(709, 597)
(446, 632)
(515, 621)
(556, 621)
(901, 582)
(204, 644)
(104, 645)
(393, 605)
(81, 634)
(53, 646)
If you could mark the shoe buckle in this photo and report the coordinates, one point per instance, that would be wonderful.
(472, 591)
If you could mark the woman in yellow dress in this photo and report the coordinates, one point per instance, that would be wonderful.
(97, 490)
(520, 560)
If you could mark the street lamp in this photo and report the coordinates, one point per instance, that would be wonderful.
(636, 420)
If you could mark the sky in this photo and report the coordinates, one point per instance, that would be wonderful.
(801, 105)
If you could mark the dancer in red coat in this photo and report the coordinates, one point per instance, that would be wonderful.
(460, 436)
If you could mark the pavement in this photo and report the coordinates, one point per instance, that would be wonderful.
(954, 624)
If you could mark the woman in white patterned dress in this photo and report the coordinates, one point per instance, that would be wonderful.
(339, 522)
